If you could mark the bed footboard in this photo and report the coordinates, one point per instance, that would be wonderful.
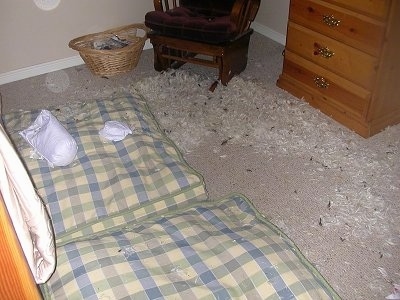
(16, 278)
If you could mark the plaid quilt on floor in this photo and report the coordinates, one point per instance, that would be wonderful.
(215, 250)
(132, 219)
(110, 183)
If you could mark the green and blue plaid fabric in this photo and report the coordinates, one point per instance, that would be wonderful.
(110, 183)
(215, 250)
(132, 219)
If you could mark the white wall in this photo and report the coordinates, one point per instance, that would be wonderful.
(274, 14)
(31, 36)
(35, 41)
(272, 19)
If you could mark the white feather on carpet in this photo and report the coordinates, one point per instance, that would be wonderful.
(274, 123)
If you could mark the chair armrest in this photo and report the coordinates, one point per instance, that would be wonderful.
(243, 13)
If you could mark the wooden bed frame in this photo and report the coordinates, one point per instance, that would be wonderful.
(16, 279)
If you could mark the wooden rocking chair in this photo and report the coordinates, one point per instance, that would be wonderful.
(206, 32)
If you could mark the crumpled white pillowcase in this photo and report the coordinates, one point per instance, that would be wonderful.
(51, 140)
(115, 131)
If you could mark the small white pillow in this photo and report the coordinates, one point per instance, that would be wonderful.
(51, 140)
(115, 131)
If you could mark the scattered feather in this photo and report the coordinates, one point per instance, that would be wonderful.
(396, 293)
(363, 199)
(276, 124)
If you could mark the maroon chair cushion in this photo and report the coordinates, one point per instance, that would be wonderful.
(212, 8)
(185, 23)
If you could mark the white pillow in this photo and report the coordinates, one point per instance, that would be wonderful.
(51, 140)
(115, 131)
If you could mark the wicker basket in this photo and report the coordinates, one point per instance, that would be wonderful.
(114, 61)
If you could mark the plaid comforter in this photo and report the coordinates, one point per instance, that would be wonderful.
(110, 183)
(132, 220)
(216, 250)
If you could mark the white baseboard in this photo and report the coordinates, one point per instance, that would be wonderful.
(44, 68)
(73, 61)
(40, 69)
(269, 33)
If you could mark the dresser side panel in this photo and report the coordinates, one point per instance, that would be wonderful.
(386, 97)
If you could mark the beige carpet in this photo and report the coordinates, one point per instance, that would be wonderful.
(334, 193)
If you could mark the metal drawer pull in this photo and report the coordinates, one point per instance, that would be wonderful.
(323, 51)
(321, 82)
(330, 21)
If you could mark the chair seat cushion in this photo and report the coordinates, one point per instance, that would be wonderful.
(209, 7)
(183, 23)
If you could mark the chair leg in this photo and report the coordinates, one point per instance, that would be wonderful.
(232, 66)
(226, 73)
(160, 63)
(235, 59)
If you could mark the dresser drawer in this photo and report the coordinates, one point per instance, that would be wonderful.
(341, 24)
(337, 57)
(374, 8)
(341, 56)
(330, 88)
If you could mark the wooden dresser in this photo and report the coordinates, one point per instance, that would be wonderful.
(343, 57)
